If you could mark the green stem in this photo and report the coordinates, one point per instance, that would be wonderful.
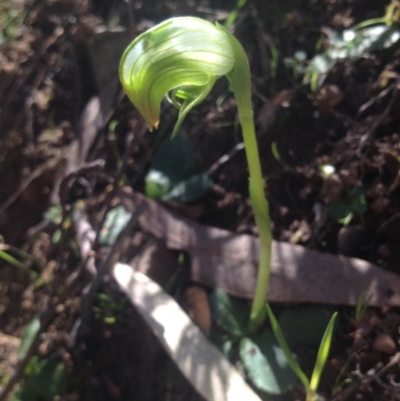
(372, 21)
(310, 395)
(262, 219)
(240, 80)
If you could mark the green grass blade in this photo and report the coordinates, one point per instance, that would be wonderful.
(16, 263)
(234, 13)
(289, 356)
(323, 353)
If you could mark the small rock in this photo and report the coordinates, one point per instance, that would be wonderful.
(333, 188)
(384, 343)
(360, 336)
(367, 359)
(379, 205)
(383, 251)
(349, 177)
(374, 321)
(352, 240)
(328, 97)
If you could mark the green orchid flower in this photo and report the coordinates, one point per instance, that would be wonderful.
(166, 60)
(182, 58)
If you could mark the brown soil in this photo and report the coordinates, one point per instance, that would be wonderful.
(50, 68)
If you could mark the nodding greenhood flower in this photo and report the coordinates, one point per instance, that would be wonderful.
(180, 58)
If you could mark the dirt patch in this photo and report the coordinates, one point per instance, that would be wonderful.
(330, 154)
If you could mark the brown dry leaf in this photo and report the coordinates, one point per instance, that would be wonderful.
(222, 259)
(201, 362)
(267, 115)
(155, 261)
(9, 347)
(92, 120)
(105, 49)
(198, 308)
(328, 97)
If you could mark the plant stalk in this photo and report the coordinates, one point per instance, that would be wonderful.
(240, 80)
(262, 219)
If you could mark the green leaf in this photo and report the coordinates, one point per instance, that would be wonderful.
(266, 363)
(109, 319)
(225, 344)
(380, 37)
(157, 184)
(173, 172)
(49, 381)
(46, 380)
(300, 55)
(234, 13)
(304, 325)
(354, 43)
(229, 313)
(289, 62)
(357, 200)
(54, 214)
(321, 64)
(338, 209)
(115, 222)
(286, 350)
(16, 263)
(174, 161)
(190, 189)
(56, 237)
(323, 353)
(28, 335)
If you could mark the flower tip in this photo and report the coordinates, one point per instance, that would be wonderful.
(152, 125)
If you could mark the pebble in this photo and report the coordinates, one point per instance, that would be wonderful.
(384, 343)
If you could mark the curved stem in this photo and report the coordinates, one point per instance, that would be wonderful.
(372, 21)
(240, 80)
(262, 219)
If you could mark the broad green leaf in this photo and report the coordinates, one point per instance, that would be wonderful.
(172, 175)
(300, 55)
(115, 222)
(231, 314)
(354, 43)
(51, 380)
(357, 201)
(304, 325)
(54, 214)
(157, 184)
(266, 363)
(321, 63)
(338, 209)
(190, 189)
(46, 380)
(380, 37)
(175, 158)
(174, 161)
